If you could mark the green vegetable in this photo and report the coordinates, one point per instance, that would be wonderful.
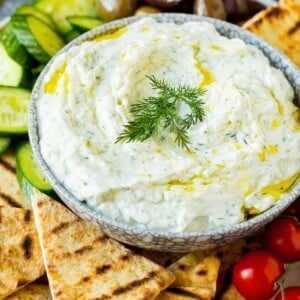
(155, 114)
(40, 40)
(59, 10)
(12, 73)
(84, 23)
(13, 110)
(4, 144)
(27, 167)
(29, 9)
(13, 47)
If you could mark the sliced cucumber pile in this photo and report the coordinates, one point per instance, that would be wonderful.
(59, 10)
(32, 36)
(40, 40)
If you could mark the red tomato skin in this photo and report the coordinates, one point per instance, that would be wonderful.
(290, 293)
(282, 237)
(255, 274)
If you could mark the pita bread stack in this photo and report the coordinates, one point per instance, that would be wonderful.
(280, 26)
(20, 255)
(83, 263)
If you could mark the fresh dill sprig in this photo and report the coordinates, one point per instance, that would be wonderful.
(155, 114)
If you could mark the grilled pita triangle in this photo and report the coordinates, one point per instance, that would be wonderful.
(196, 270)
(32, 291)
(186, 293)
(280, 26)
(231, 294)
(290, 2)
(20, 256)
(83, 263)
(10, 192)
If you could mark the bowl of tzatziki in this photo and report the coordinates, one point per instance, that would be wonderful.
(171, 132)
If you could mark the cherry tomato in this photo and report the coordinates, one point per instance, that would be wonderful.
(290, 293)
(255, 274)
(294, 209)
(282, 237)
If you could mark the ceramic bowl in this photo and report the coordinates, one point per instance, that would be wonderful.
(167, 241)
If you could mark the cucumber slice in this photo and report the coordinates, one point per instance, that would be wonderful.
(13, 110)
(28, 168)
(40, 40)
(29, 9)
(4, 144)
(71, 35)
(12, 73)
(59, 10)
(13, 47)
(26, 187)
(84, 23)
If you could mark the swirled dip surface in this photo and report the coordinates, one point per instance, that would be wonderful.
(243, 156)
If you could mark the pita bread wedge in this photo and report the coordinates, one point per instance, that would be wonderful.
(10, 192)
(83, 263)
(164, 259)
(196, 270)
(290, 2)
(186, 294)
(32, 291)
(280, 26)
(231, 294)
(20, 256)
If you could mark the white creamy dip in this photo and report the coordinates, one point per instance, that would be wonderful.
(243, 156)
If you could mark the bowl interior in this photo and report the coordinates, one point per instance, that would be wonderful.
(141, 237)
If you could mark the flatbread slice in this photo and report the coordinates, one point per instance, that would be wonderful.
(280, 26)
(231, 294)
(83, 263)
(198, 269)
(186, 294)
(20, 256)
(10, 192)
(32, 291)
(290, 2)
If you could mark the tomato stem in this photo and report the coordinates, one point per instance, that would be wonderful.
(288, 268)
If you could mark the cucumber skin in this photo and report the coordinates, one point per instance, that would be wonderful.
(59, 10)
(27, 39)
(13, 47)
(29, 9)
(24, 152)
(78, 23)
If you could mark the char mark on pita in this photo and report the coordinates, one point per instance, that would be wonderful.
(8, 166)
(185, 293)
(64, 225)
(9, 200)
(102, 269)
(134, 284)
(294, 29)
(27, 247)
(27, 216)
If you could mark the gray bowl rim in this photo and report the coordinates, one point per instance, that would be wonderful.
(71, 200)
